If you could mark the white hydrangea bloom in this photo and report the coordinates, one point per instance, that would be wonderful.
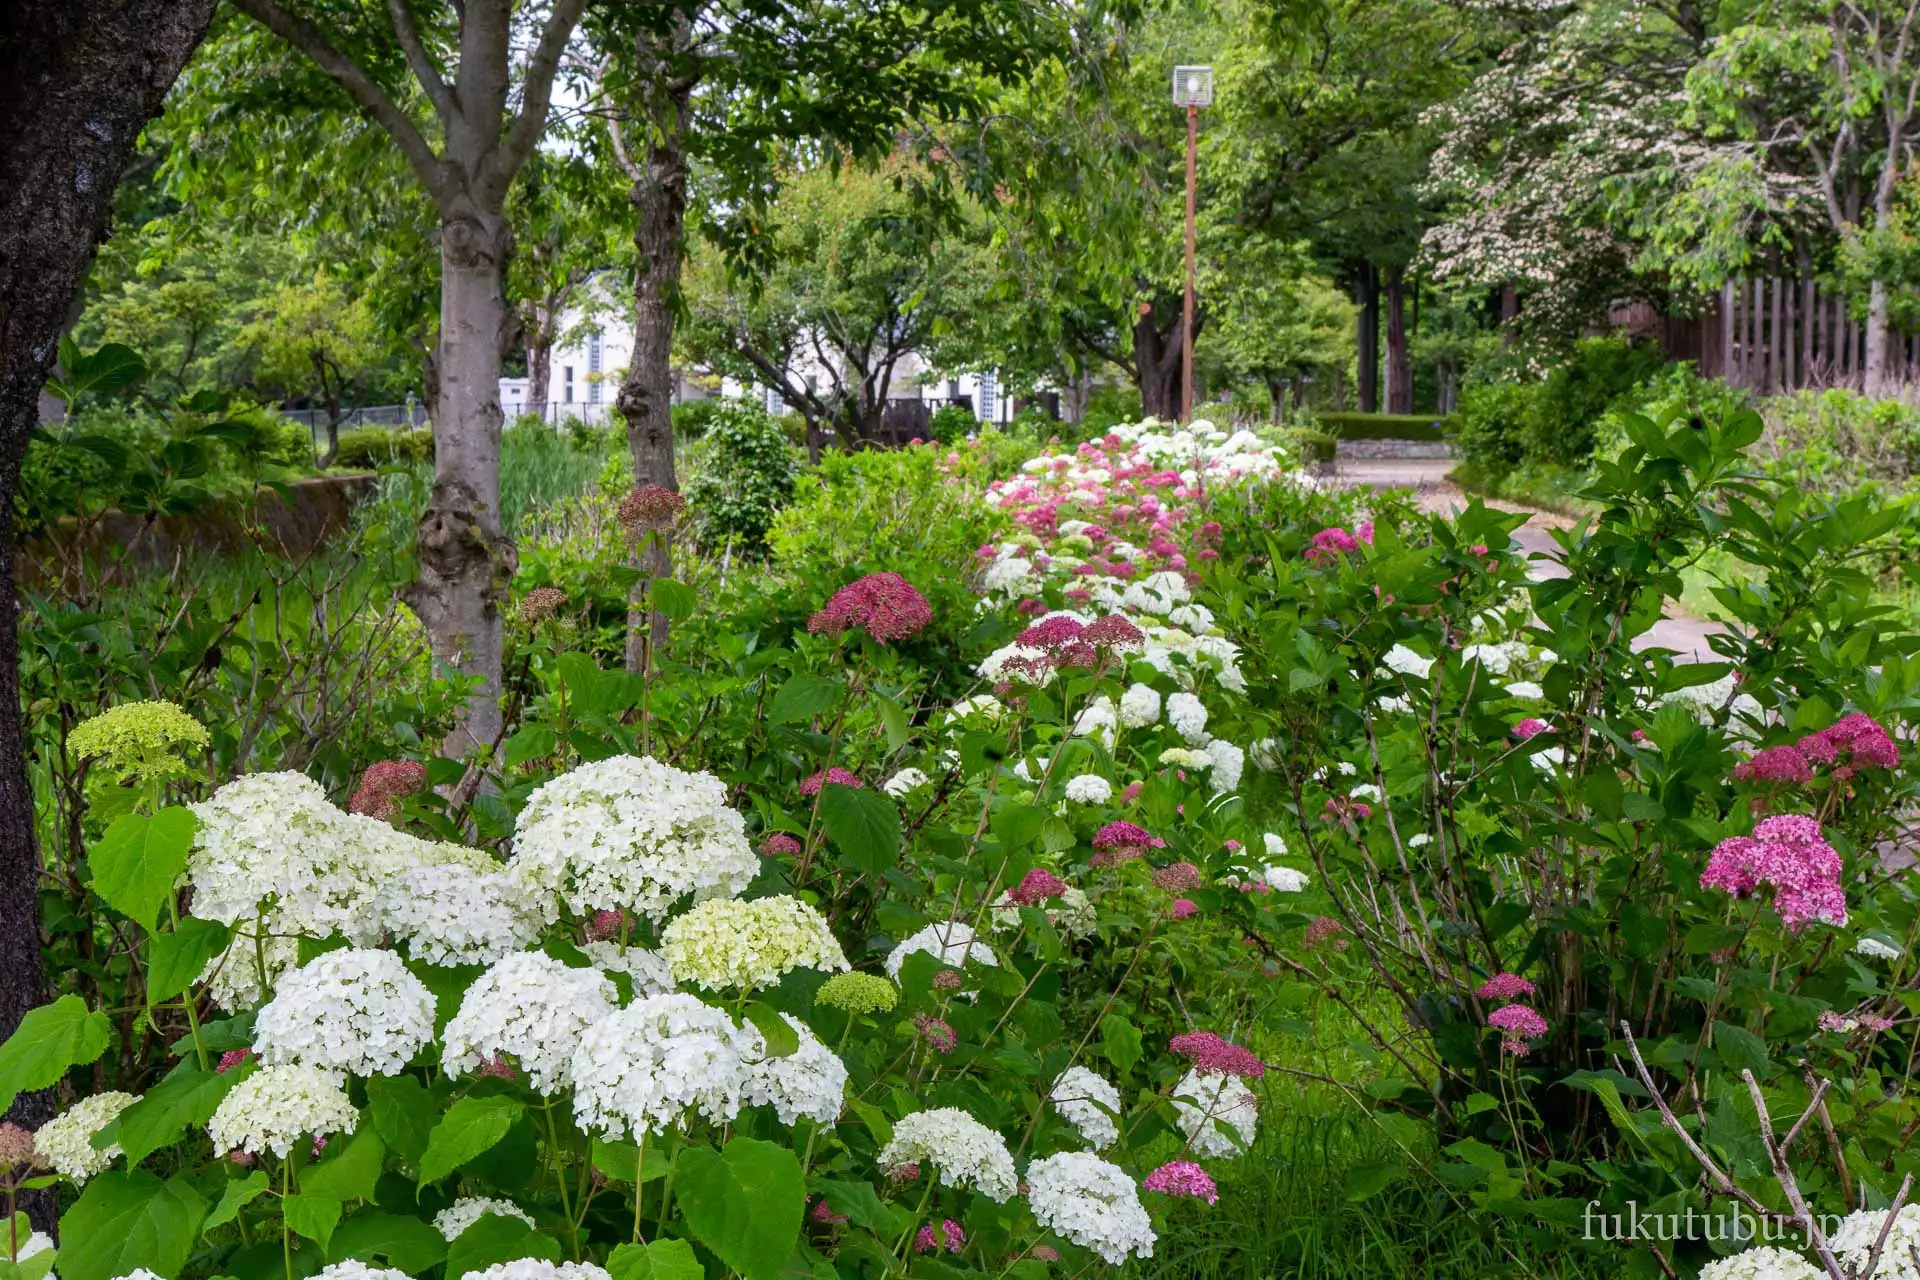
(355, 1010)
(643, 1068)
(724, 944)
(65, 1143)
(141, 1273)
(1854, 1241)
(1090, 1104)
(1418, 840)
(1017, 661)
(1073, 913)
(1406, 662)
(1091, 1202)
(1767, 1262)
(532, 1009)
(629, 832)
(449, 915)
(1229, 763)
(539, 1269)
(253, 838)
(354, 1269)
(1010, 575)
(1140, 706)
(1188, 716)
(1284, 879)
(1194, 617)
(1366, 791)
(651, 974)
(984, 705)
(1874, 949)
(1526, 690)
(1275, 845)
(905, 782)
(952, 942)
(467, 1210)
(1097, 719)
(1089, 788)
(1205, 1100)
(963, 1152)
(36, 1242)
(1186, 758)
(1393, 706)
(275, 1107)
(810, 1082)
(233, 979)
(1498, 659)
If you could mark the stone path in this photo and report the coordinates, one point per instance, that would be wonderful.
(1432, 491)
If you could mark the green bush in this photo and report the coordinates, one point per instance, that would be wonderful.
(1314, 446)
(951, 422)
(1554, 420)
(367, 448)
(1110, 405)
(1383, 426)
(1835, 440)
(740, 475)
(693, 418)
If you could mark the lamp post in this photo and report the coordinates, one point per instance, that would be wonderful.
(1192, 89)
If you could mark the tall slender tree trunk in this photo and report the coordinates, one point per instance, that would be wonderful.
(1399, 359)
(539, 361)
(1367, 348)
(658, 170)
(79, 80)
(1156, 360)
(466, 560)
(1876, 377)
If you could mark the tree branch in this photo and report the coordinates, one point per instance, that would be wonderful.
(360, 86)
(536, 88)
(424, 69)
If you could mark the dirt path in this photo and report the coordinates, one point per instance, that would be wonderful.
(1433, 492)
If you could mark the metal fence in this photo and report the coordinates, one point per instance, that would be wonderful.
(403, 417)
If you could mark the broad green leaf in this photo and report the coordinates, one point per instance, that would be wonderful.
(1740, 1049)
(655, 1260)
(49, 1041)
(403, 1114)
(621, 1161)
(863, 825)
(1120, 1042)
(185, 1099)
(803, 697)
(781, 1039)
(240, 1192)
(744, 1203)
(674, 598)
(177, 958)
(470, 1127)
(137, 862)
(1364, 1181)
(312, 1216)
(128, 1219)
(497, 1238)
(351, 1173)
(407, 1243)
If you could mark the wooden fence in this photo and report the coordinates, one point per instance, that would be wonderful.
(1772, 335)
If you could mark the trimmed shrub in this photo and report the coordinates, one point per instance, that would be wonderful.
(368, 448)
(740, 475)
(1384, 426)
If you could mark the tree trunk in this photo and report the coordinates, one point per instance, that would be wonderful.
(1876, 377)
(659, 198)
(1367, 354)
(1156, 360)
(466, 559)
(1399, 359)
(79, 80)
(540, 361)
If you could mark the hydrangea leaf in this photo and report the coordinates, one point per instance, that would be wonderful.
(802, 697)
(312, 1216)
(863, 825)
(49, 1041)
(187, 1097)
(470, 1127)
(656, 1260)
(240, 1192)
(744, 1203)
(497, 1238)
(175, 959)
(137, 862)
(407, 1243)
(351, 1174)
(126, 1220)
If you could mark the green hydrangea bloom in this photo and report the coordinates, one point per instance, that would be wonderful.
(142, 741)
(858, 993)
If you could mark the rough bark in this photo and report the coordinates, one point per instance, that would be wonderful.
(1399, 359)
(466, 561)
(1876, 376)
(658, 172)
(79, 80)
(1367, 354)
(1156, 362)
(539, 364)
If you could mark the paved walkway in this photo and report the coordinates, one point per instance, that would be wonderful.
(1427, 477)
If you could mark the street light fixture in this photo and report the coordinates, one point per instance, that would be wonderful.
(1192, 89)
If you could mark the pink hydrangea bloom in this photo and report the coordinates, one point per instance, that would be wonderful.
(1331, 542)
(1775, 764)
(1210, 1053)
(1114, 632)
(1182, 1178)
(1788, 853)
(884, 605)
(780, 844)
(234, 1058)
(1854, 742)
(811, 785)
(1505, 986)
(938, 1034)
(1183, 907)
(1324, 929)
(1125, 840)
(950, 1236)
(1176, 876)
(1531, 728)
(602, 925)
(1518, 1025)
(1044, 1253)
(823, 1213)
(384, 785)
(1036, 887)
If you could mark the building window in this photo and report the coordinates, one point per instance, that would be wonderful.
(566, 374)
(988, 401)
(594, 353)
